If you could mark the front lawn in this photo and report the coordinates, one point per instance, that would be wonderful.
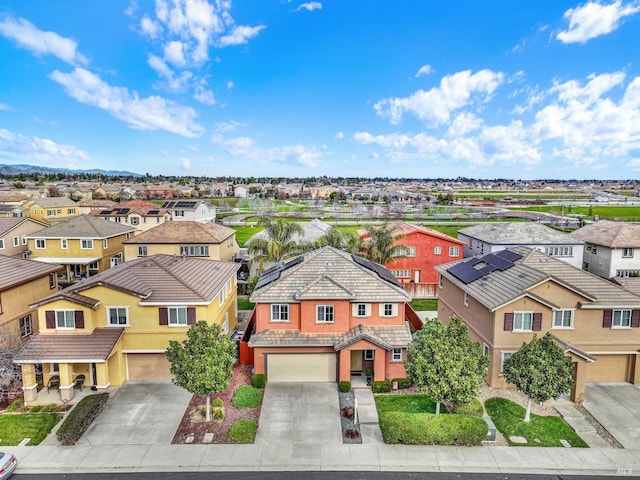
(35, 426)
(407, 404)
(245, 304)
(548, 430)
(424, 304)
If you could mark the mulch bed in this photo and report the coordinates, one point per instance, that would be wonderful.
(193, 424)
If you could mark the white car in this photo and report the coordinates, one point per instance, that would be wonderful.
(8, 464)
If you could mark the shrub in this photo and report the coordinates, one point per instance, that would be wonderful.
(428, 429)
(381, 386)
(217, 402)
(218, 414)
(473, 408)
(81, 417)
(243, 431)
(352, 433)
(344, 386)
(402, 383)
(258, 380)
(347, 412)
(247, 397)
(15, 405)
(36, 408)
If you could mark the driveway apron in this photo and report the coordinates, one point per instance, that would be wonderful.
(294, 413)
(615, 406)
(139, 414)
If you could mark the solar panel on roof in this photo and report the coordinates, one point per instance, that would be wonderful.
(378, 269)
(153, 212)
(509, 255)
(498, 262)
(293, 262)
(185, 204)
(123, 211)
(475, 268)
(267, 279)
(465, 272)
(272, 268)
(105, 212)
(168, 204)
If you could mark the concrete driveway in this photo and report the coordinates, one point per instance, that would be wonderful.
(139, 414)
(615, 406)
(295, 413)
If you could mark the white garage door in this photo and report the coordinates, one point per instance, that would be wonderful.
(148, 367)
(301, 367)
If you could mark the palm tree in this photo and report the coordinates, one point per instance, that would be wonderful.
(380, 245)
(349, 241)
(278, 244)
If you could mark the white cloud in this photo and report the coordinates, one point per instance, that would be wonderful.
(435, 106)
(27, 35)
(340, 135)
(131, 9)
(172, 82)
(185, 163)
(309, 6)
(245, 148)
(424, 70)
(230, 126)
(203, 95)
(150, 113)
(174, 53)
(594, 19)
(230, 85)
(20, 148)
(150, 28)
(240, 34)
(5, 107)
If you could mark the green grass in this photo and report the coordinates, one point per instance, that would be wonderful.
(421, 304)
(507, 417)
(407, 404)
(35, 426)
(243, 431)
(245, 304)
(247, 397)
(630, 213)
(245, 233)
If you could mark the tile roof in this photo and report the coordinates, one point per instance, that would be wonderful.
(313, 230)
(337, 271)
(15, 271)
(405, 228)
(83, 226)
(518, 233)
(46, 202)
(94, 347)
(161, 279)
(185, 232)
(501, 287)
(384, 337)
(609, 234)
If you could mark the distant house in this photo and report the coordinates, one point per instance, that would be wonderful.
(52, 210)
(116, 326)
(12, 211)
(13, 234)
(141, 214)
(493, 237)
(327, 315)
(87, 206)
(240, 192)
(192, 239)
(612, 249)
(85, 245)
(190, 210)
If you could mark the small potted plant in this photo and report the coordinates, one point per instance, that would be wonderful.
(369, 374)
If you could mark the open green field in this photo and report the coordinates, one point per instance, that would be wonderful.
(523, 195)
(245, 233)
(619, 212)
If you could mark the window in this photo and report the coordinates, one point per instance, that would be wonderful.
(396, 355)
(225, 324)
(522, 321)
(24, 240)
(280, 312)
(25, 326)
(52, 280)
(64, 244)
(401, 273)
(71, 211)
(454, 251)
(407, 251)
(51, 213)
(369, 355)
(621, 319)
(361, 310)
(486, 350)
(324, 314)
(54, 368)
(135, 221)
(178, 213)
(65, 319)
(440, 281)
(105, 243)
(16, 241)
(194, 250)
(563, 318)
(1, 243)
(387, 310)
(93, 266)
(559, 251)
(627, 253)
(466, 299)
(437, 250)
(177, 315)
(41, 243)
(504, 356)
(117, 316)
(86, 244)
(142, 251)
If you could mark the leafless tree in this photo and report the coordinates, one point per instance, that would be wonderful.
(10, 373)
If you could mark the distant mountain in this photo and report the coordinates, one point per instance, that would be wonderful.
(28, 169)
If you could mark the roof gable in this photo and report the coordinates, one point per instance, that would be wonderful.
(83, 226)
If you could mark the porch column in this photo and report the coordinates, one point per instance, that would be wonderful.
(380, 364)
(29, 384)
(66, 381)
(344, 369)
(102, 377)
(635, 363)
(580, 377)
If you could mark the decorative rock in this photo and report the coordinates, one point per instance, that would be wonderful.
(516, 439)
(25, 441)
(565, 443)
(190, 438)
(537, 440)
(208, 438)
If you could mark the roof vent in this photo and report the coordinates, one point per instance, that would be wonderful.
(330, 264)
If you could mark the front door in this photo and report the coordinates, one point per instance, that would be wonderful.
(416, 278)
(356, 360)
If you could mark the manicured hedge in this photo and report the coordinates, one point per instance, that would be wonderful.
(247, 397)
(473, 408)
(344, 386)
(381, 386)
(428, 429)
(243, 431)
(402, 382)
(258, 380)
(80, 418)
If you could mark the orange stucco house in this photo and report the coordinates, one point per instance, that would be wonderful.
(326, 316)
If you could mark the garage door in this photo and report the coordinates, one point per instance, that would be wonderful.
(609, 368)
(301, 367)
(148, 367)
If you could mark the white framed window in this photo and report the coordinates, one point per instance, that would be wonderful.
(280, 312)
(401, 273)
(503, 357)
(1, 243)
(41, 244)
(225, 324)
(26, 328)
(563, 318)
(454, 251)
(437, 250)
(118, 316)
(522, 321)
(559, 251)
(16, 241)
(65, 319)
(440, 281)
(64, 244)
(135, 221)
(369, 355)
(387, 310)
(194, 250)
(621, 319)
(324, 314)
(177, 316)
(24, 239)
(142, 250)
(86, 244)
(52, 280)
(71, 211)
(105, 243)
(361, 310)
(466, 299)
(407, 251)
(178, 213)
(396, 355)
(627, 253)
(54, 368)
(486, 350)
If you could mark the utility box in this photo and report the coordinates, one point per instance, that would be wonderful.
(491, 434)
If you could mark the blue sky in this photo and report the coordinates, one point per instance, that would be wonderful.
(502, 89)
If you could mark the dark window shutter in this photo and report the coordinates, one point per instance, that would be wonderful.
(635, 318)
(537, 322)
(607, 318)
(79, 317)
(508, 322)
(191, 316)
(50, 317)
(164, 316)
